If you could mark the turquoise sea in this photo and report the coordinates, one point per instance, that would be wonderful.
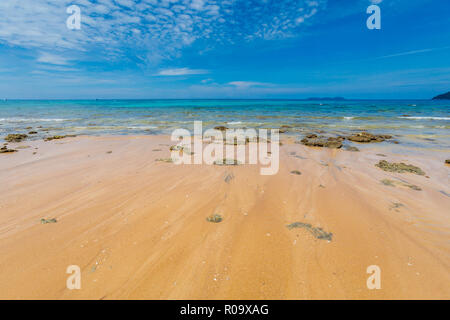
(421, 123)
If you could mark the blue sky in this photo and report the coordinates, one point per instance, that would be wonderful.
(224, 49)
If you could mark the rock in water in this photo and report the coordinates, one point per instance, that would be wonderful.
(15, 137)
(365, 137)
(323, 142)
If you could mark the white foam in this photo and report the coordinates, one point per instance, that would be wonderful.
(31, 120)
(427, 118)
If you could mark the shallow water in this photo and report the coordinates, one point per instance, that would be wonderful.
(416, 123)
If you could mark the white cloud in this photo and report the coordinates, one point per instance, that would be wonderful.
(181, 72)
(151, 29)
(248, 84)
(49, 58)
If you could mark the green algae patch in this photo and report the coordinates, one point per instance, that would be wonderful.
(317, 233)
(227, 162)
(399, 167)
(391, 183)
(46, 221)
(167, 160)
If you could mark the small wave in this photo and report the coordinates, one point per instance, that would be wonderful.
(234, 123)
(349, 118)
(31, 120)
(426, 118)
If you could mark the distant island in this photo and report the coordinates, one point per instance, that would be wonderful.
(326, 99)
(444, 96)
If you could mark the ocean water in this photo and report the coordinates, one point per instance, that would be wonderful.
(418, 123)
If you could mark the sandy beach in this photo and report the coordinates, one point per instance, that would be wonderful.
(138, 227)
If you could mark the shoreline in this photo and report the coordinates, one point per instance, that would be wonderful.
(138, 228)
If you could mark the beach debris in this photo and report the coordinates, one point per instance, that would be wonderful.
(59, 137)
(46, 221)
(228, 177)
(6, 150)
(176, 148)
(321, 186)
(167, 160)
(381, 155)
(181, 149)
(108, 152)
(215, 218)
(395, 206)
(227, 162)
(318, 233)
(23, 147)
(392, 183)
(323, 142)
(447, 161)
(365, 137)
(157, 150)
(15, 137)
(351, 148)
(399, 167)
(296, 172)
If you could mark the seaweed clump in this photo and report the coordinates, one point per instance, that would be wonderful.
(227, 162)
(59, 137)
(215, 218)
(318, 233)
(399, 167)
(45, 221)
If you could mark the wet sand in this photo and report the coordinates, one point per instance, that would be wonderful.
(138, 230)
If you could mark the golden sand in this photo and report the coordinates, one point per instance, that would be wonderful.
(138, 227)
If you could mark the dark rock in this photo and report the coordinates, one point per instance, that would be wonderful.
(365, 137)
(32, 132)
(399, 167)
(221, 128)
(447, 161)
(323, 142)
(6, 150)
(296, 172)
